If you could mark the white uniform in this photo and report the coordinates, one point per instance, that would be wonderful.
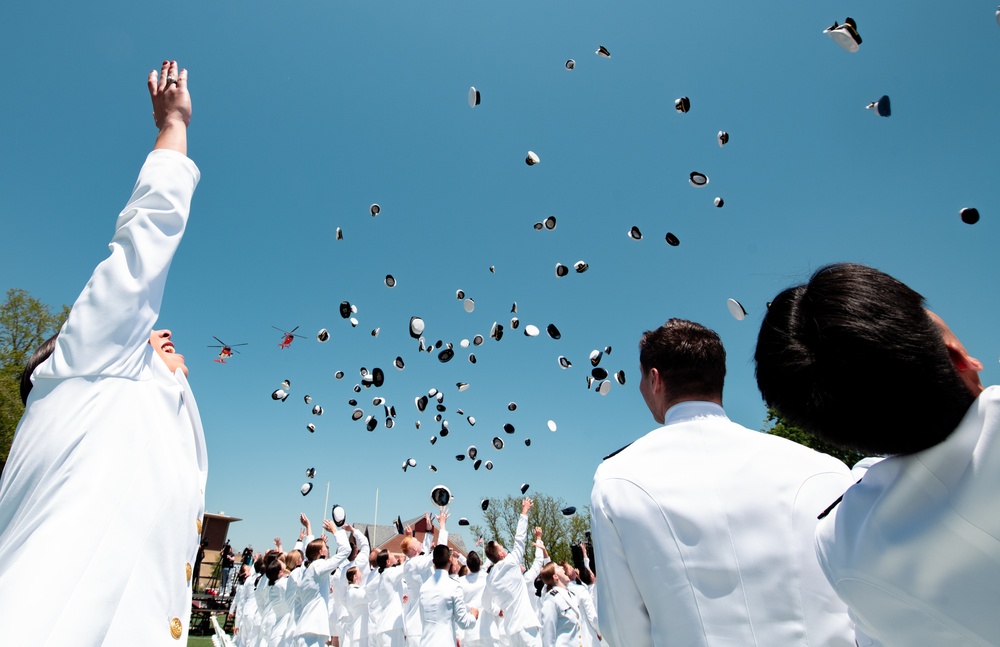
(703, 533)
(473, 586)
(355, 633)
(415, 571)
(505, 584)
(562, 624)
(442, 609)
(588, 613)
(110, 454)
(914, 548)
(313, 592)
(385, 604)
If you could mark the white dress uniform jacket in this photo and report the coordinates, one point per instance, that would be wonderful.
(562, 624)
(914, 548)
(588, 613)
(415, 571)
(505, 584)
(702, 532)
(313, 590)
(442, 608)
(109, 459)
(355, 632)
(480, 634)
(385, 605)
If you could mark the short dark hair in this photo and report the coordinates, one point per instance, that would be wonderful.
(492, 551)
(689, 357)
(442, 556)
(853, 357)
(41, 354)
(548, 574)
(474, 562)
(351, 572)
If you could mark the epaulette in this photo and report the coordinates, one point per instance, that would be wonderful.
(617, 451)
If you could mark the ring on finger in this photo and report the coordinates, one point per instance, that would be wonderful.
(170, 80)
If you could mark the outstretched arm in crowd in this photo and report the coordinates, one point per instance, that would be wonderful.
(521, 536)
(171, 106)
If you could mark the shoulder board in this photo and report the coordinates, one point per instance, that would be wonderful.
(618, 451)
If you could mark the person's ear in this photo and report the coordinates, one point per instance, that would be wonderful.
(968, 367)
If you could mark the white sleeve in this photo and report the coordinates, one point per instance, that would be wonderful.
(520, 537)
(622, 613)
(333, 562)
(107, 332)
(461, 614)
(428, 544)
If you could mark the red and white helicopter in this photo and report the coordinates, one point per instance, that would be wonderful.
(225, 350)
(289, 336)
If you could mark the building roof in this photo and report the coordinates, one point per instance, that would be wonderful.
(385, 535)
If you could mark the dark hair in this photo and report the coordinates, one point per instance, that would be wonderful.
(382, 561)
(853, 357)
(314, 548)
(442, 556)
(491, 551)
(258, 564)
(351, 573)
(41, 354)
(473, 561)
(273, 570)
(689, 357)
(539, 585)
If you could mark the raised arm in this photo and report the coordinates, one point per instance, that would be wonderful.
(336, 560)
(109, 326)
(442, 538)
(521, 535)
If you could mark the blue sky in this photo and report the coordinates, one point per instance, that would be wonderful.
(305, 113)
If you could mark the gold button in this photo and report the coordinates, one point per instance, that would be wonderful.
(187, 569)
(197, 524)
(176, 628)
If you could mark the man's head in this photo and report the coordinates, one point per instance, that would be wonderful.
(494, 551)
(571, 573)
(160, 341)
(442, 556)
(680, 360)
(474, 562)
(373, 558)
(410, 546)
(854, 357)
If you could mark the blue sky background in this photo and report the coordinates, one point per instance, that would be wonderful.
(307, 112)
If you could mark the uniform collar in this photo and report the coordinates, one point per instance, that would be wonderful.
(692, 410)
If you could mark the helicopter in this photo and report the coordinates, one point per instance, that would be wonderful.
(226, 350)
(289, 336)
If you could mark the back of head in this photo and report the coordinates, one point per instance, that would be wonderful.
(273, 570)
(382, 561)
(293, 559)
(352, 540)
(492, 551)
(313, 549)
(474, 562)
(409, 543)
(688, 356)
(853, 357)
(442, 556)
(351, 572)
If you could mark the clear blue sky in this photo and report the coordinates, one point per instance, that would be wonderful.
(307, 112)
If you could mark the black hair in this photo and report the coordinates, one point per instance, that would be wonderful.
(853, 357)
(474, 562)
(382, 561)
(442, 556)
(273, 571)
(350, 573)
(689, 357)
(41, 354)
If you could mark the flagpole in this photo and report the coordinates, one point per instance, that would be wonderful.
(325, 503)
(375, 524)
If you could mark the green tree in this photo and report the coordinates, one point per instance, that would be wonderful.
(558, 531)
(25, 322)
(778, 426)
